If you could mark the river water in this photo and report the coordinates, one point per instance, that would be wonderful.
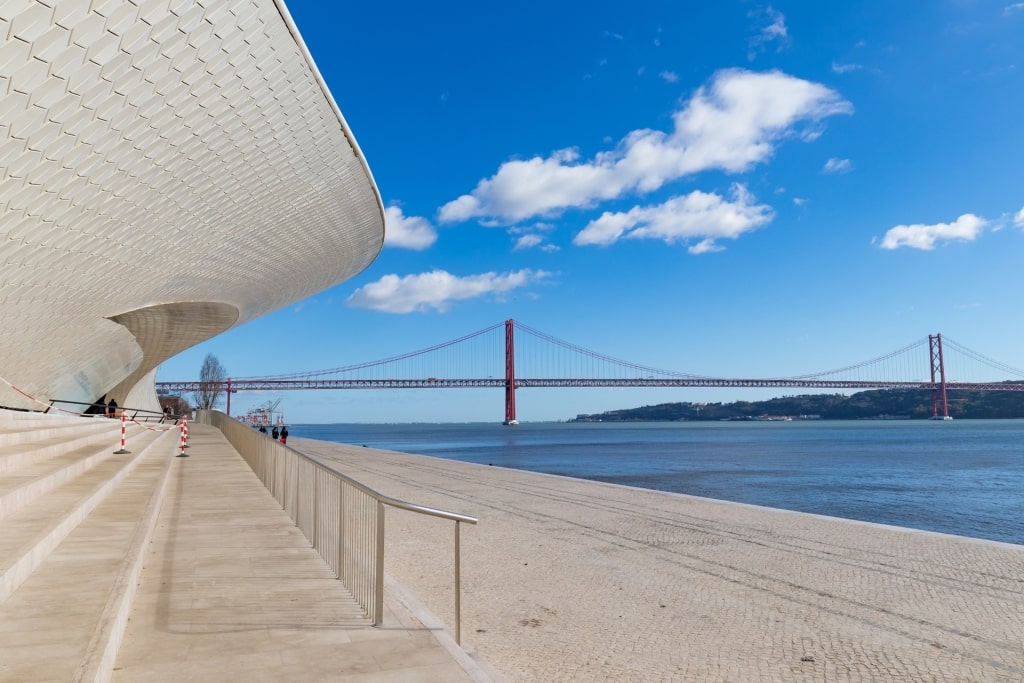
(962, 477)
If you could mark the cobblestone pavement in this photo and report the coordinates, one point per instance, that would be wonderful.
(571, 580)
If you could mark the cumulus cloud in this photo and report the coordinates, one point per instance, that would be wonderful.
(698, 219)
(409, 232)
(669, 76)
(732, 124)
(1018, 220)
(834, 165)
(966, 228)
(436, 290)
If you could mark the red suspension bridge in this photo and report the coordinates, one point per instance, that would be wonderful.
(538, 360)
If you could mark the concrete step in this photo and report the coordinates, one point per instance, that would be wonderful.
(71, 570)
(29, 433)
(31, 533)
(18, 417)
(16, 458)
(52, 464)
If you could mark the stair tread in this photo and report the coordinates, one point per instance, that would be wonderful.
(14, 478)
(16, 456)
(21, 527)
(72, 586)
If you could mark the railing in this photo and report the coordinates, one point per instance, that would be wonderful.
(100, 410)
(341, 518)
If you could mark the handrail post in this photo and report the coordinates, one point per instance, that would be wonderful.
(458, 589)
(378, 606)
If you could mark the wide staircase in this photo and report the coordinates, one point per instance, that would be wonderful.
(149, 566)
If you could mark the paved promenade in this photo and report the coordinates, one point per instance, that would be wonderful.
(569, 580)
(232, 591)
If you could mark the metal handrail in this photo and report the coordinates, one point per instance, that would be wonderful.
(303, 486)
(133, 412)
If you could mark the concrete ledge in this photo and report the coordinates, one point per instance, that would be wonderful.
(98, 664)
(39, 547)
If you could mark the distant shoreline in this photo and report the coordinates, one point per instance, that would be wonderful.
(876, 404)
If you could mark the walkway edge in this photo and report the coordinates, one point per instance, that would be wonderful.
(394, 590)
(101, 655)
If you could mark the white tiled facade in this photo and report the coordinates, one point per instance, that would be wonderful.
(168, 169)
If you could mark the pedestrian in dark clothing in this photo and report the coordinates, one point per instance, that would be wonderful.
(263, 429)
(284, 435)
(112, 408)
(273, 433)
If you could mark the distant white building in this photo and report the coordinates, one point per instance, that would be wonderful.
(167, 171)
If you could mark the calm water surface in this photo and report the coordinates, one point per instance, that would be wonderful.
(962, 477)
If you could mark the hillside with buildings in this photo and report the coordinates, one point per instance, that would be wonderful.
(864, 405)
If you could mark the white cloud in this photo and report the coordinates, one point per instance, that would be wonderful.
(697, 217)
(834, 165)
(845, 68)
(800, 201)
(409, 232)
(669, 76)
(771, 28)
(776, 28)
(1014, 7)
(732, 124)
(1018, 220)
(436, 290)
(527, 241)
(966, 228)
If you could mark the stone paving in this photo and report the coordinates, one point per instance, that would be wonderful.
(571, 580)
(232, 591)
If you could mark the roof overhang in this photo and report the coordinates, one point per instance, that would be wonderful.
(162, 156)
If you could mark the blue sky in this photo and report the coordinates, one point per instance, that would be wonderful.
(731, 189)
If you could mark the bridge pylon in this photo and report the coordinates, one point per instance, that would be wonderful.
(938, 372)
(510, 373)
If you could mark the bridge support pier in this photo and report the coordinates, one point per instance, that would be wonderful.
(510, 374)
(938, 371)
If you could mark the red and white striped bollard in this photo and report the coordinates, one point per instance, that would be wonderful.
(124, 427)
(184, 437)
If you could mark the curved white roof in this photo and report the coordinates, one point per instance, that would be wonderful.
(168, 169)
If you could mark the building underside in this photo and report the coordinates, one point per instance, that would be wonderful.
(170, 169)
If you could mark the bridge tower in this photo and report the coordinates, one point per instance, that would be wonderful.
(510, 373)
(938, 370)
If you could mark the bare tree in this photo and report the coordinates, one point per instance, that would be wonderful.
(211, 383)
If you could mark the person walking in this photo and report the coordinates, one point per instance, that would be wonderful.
(284, 434)
(112, 408)
(273, 433)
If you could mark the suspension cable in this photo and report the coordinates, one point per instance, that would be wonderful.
(974, 355)
(600, 356)
(858, 366)
(370, 364)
